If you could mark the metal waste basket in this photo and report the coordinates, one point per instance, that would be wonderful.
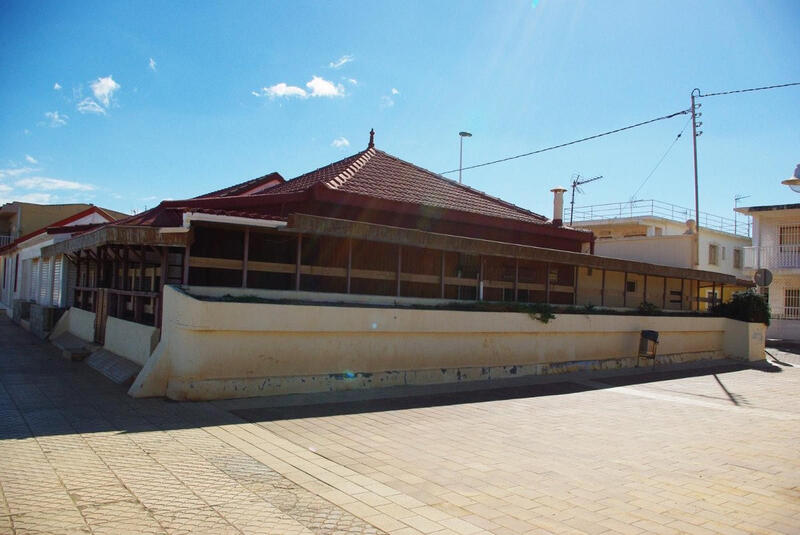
(648, 343)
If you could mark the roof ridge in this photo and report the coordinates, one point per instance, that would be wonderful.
(340, 179)
(247, 184)
(464, 186)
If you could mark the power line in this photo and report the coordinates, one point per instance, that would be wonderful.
(670, 116)
(662, 158)
(748, 90)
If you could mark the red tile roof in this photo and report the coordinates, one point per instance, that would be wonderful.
(249, 187)
(374, 173)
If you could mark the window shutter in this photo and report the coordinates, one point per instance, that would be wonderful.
(57, 275)
(34, 295)
(44, 288)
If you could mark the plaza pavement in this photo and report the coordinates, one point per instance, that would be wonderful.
(703, 451)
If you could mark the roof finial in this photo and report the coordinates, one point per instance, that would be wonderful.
(371, 138)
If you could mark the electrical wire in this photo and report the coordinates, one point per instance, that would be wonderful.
(670, 116)
(748, 90)
(633, 197)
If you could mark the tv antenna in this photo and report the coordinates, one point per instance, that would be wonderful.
(577, 182)
(736, 200)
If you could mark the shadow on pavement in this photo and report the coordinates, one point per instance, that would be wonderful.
(42, 394)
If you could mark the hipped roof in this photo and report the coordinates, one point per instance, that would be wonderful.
(370, 178)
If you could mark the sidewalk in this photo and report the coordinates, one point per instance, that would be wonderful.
(691, 453)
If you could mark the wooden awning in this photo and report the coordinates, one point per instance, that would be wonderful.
(118, 235)
(341, 228)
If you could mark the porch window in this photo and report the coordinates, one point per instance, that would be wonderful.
(791, 303)
(789, 238)
(713, 254)
(737, 259)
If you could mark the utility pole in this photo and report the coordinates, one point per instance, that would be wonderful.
(695, 135)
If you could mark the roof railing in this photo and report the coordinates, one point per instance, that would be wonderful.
(739, 225)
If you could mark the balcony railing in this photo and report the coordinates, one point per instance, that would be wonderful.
(644, 208)
(5, 239)
(774, 257)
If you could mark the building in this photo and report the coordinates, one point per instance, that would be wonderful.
(776, 247)
(216, 276)
(25, 277)
(662, 233)
(370, 224)
(22, 218)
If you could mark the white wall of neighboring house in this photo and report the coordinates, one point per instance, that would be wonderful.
(661, 241)
(776, 247)
(44, 281)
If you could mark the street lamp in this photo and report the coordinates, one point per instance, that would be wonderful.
(794, 181)
(462, 135)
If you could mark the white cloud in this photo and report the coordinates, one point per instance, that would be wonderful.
(395, 91)
(57, 86)
(104, 89)
(281, 90)
(5, 189)
(340, 142)
(387, 102)
(320, 87)
(353, 81)
(152, 64)
(30, 159)
(88, 105)
(45, 183)
(56, 119)
(16, 171)
(341, 62)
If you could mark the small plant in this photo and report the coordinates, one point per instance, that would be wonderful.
(648, 309)
(589, 308)
(747, 306)
(541, 312)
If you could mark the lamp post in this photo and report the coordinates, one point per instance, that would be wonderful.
(462, 135)
(794, 181)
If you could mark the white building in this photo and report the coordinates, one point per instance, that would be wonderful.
(25, 276)
(776, 247)
(662, 233)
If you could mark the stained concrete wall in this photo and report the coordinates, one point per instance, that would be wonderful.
(784, 329)
(76, 321)
(133, 341)
(212, 349)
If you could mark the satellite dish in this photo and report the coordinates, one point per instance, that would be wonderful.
(763, 277)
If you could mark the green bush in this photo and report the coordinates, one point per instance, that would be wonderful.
(541, 312)
(648, 309)
(748, 306)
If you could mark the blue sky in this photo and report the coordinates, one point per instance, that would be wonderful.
(124, 104)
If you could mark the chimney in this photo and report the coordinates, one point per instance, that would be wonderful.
(558, 206)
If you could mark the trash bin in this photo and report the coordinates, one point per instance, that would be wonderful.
(648, 342)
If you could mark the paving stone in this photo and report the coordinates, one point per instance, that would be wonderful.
(77, 456)
(694, 452)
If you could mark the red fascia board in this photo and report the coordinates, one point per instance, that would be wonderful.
(325, 194)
